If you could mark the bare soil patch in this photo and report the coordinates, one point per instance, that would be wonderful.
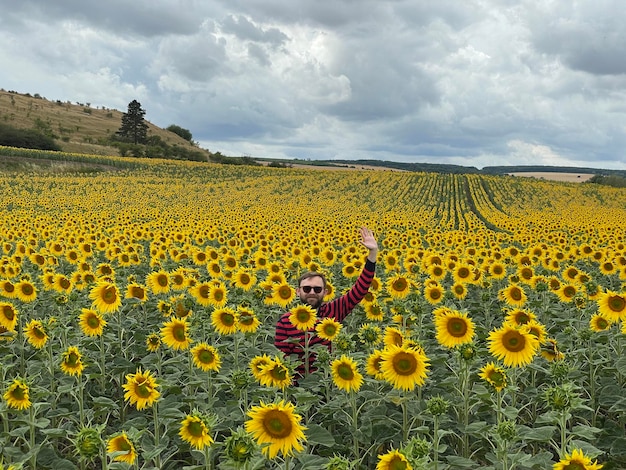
(567, 177)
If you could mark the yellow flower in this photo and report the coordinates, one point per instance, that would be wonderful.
(282, 294)
(153, 342)
(398, 286)
(106, 297)
(577, 460)
(520, 317)
(36, 334)
(158, 282)
(16, 395)
(123, 447)
(141, 389)
(454, 328)
(612, 306)
(71, 362)
(25, 291)
(206, 357)
(62, 284)
(393, 460)
(404, 368)
(201, 292)
(7, 289)
(374, 311)
(303, 317)
(174, 334)
(513, 295)
(195, 430)
(244, 279)
(328, 328)
(373, 365)
(277, 428)
(218, 295)
(257, 363)
(494, 376)
(433, 293)
(91, 322)
(599, 323)
(346, 375)
(274, 374)
(516, 347)
(247, 322)
(8, 316)
(393, 337)
(550, 351)
(136, 291)
(224, 321)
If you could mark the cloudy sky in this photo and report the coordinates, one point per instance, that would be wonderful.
(473, 82)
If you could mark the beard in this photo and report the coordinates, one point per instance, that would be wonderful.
(313, 301)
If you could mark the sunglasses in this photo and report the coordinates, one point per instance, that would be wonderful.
(316, 289)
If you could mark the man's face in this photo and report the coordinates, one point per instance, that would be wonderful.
(315, 294)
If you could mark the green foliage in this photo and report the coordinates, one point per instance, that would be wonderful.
(184, 133)
(134, 128)
(26, 138)
(612, 180)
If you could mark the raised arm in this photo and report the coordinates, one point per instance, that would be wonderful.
(369, 242)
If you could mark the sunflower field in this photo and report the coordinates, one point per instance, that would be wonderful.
(138, 309)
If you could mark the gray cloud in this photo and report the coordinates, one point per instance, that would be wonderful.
(475, 83)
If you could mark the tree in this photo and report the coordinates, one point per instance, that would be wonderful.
(182, 132)
(134, 128)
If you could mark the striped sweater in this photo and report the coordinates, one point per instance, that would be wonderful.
(290, 340)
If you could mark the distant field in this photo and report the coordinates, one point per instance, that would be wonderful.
(569, 177)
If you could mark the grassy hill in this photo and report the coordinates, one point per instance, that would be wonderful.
(77, 127)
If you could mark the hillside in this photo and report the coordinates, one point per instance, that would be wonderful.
(77, 127)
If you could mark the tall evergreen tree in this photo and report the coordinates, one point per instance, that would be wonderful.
(134, 127)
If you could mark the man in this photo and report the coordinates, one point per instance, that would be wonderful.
(311, 290)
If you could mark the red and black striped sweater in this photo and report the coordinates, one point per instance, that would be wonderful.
(290, 340)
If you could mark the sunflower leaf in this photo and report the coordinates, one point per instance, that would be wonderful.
(318, 435)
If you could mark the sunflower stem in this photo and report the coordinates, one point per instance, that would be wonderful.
(157, 433)
(102, 362)
(208, 465)
(31, 424)
(355, 424)
(435, 442)
(81, 406)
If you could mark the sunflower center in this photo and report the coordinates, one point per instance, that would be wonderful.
(435, 294)
(203, 291)
(330, 329)
(123, 445)
(575, 466)
(228, 319)
(569, 291)
(513, 341)
(162, 280)
(497, 378)
(27, 289)
(244, 279)
(206, 357)
(602, 324)
(137, 292)
(457, 327)
(303, 316)
(72, 359)
(404, 363)
(284, 292)
(143, 389)
(277, 424)
(463, 273)
(19, 393)
(617, 303)
(397, 464)
(345, 372)
(196, 429)
(178, 332)
(93, 321)
(8, 312)
(218, 295)
(515, 293)
(109, 295)
(399, 284)
(246, 319)
(8, 287)
(38, 333)
(278, 372)
(65, 283)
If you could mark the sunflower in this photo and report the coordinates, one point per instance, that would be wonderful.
(567, 292)
(8, 316)
(433, 293)
(62, 284)
(136, 291)
(247, 321)
(550, 351)
(257, 363)
(16, 395)
(459, 290)
(106, 297)
(218, 295)
(373, 364)
(538, 330)
(494, 376)
(123, 447)
(398, 286)
(91, 322)
(244, 279)
(141, 389)
(274, 374)
(513, 295)
(374, 311)
(393, 460)
(463, 273)
(174, 334)
(36, 334)
(153, 342)
(404, 367)
(393, 337)
(497, 270)
(201, 292)
(276, 427)
(612, 306)
(520, 317)
(516, 347)
(206, 357)
(195, 429)
(7, 289)
(159, 282)
(303, 317)
(370, 334)
(577, 460)
(25, 291)
(454, 329)
(328, 328)
(105, 270)
(71, 362)
(225, 320)
(599, 323)
(282, 294)
(346, 375)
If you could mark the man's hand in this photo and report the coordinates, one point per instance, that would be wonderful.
(369, 242)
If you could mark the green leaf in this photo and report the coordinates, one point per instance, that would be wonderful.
(586, 432)
(619, 446)
(541, 433)
(311, 462)
(621, 365)
(316, 434)
(460, 462)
